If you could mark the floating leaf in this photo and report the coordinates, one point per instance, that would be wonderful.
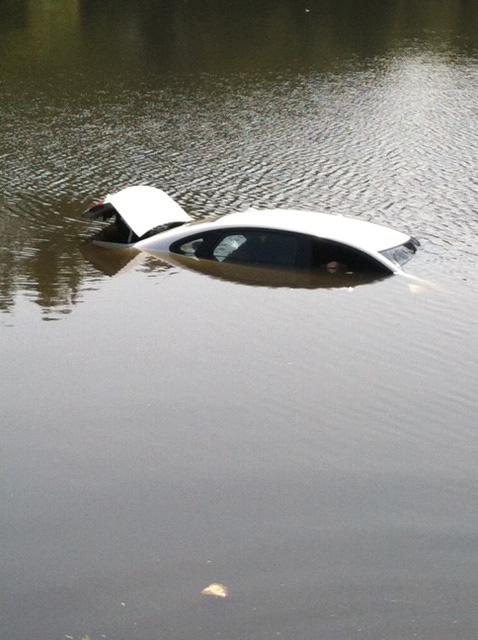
(215, 590)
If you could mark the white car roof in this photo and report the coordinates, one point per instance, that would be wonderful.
(355, 232)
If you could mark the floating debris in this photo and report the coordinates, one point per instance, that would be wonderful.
(215, 590)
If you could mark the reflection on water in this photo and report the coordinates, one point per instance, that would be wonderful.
(313, 450)
(190, 36)
(276, 277)
(112, 261)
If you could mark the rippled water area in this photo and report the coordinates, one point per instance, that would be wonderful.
(314, 449)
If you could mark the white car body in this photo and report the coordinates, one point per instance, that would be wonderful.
(156, 224)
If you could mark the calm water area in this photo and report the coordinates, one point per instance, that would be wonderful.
(313, 449)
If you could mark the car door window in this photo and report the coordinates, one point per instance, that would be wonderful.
(325, 253)
(257, 246)
(190, 247)
(227, 246)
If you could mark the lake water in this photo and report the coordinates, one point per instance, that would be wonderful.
(315, 450)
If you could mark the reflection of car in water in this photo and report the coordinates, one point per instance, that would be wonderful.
(111, 262)
(308, 243)
(277, 276)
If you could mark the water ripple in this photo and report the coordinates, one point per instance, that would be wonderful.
(395, 141)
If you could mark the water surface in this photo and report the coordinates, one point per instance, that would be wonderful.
(314, 450)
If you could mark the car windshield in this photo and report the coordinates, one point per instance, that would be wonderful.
(401, 254)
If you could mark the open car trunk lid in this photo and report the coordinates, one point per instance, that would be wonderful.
(142, 209)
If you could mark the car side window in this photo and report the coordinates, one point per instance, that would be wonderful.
(227, 246)
(257, 246)
(190, 247)
(325, 253)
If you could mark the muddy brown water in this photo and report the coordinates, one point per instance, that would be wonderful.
(313, 449)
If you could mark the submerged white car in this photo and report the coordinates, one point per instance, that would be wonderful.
(147, 219)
